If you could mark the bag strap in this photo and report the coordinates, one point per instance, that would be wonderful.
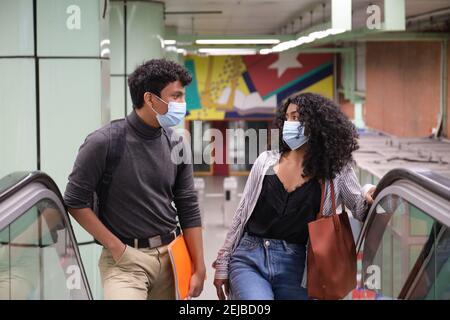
(322, 200)
(333, 198)
(117, 140)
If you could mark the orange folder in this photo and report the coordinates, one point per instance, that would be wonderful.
(181, 266)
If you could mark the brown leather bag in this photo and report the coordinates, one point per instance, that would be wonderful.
(331, 262)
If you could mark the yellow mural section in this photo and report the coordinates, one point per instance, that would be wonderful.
(323, 87)
(219, 78)
(214, 74)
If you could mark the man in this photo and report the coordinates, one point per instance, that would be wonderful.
(138, 220)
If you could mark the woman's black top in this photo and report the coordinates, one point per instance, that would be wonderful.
(283, 215)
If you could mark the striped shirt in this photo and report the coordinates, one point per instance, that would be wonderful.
(347, 191)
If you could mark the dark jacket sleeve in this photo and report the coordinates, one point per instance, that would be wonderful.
(185, 196)
(87, 171)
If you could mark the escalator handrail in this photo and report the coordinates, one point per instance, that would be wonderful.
(20, 179)
(14, 182)
(429, 180)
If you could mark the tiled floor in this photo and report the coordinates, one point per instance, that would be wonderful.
(214, 229)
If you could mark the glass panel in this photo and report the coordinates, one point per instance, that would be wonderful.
(392, 247)
(16, 28)
(18, 115)
(25, 266)
(42, 263)
(70, 27)
(442, 261)
(5, 287)
(434, 281)
(419, 225)
(414, 253)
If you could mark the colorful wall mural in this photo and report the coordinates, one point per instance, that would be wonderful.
(234, 87)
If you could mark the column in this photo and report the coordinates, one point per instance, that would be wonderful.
(137, 32)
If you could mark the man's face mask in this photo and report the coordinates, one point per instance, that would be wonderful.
(294, 134)
(174, 115)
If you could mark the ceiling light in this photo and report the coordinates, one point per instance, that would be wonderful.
(285, 46)
(334, 31)
(227, 51)
(171, 49)
(265, 51)
(319, 34)
(237, 41)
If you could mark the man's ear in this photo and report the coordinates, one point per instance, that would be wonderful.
(148, 98)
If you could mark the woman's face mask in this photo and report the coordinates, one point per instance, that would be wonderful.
(174, 115)
(294, 134)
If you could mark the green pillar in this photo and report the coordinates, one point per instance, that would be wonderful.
(74, 96)
(137, 32)
(54, 90)
(18, 127)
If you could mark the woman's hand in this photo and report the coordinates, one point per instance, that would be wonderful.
(218, 283)
(369, 195)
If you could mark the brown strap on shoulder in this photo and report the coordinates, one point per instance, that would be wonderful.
(322, 200)
(333, 198)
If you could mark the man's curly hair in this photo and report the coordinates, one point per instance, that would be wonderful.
(332, 137)
(153, 76)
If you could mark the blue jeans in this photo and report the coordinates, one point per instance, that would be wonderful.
(267, 269)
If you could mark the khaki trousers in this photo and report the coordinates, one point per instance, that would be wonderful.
(140, 274)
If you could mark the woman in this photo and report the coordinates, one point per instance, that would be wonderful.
(264, 254)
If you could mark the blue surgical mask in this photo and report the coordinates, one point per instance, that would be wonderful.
(294, 134)
(174, 115)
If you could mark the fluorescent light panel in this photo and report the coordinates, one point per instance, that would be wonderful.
(304, 39)
(237, 41)
(227, 51)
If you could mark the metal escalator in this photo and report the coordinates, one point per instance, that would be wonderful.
(404, 244)
(39, 257)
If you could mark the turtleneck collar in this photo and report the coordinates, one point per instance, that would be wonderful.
(141, 128)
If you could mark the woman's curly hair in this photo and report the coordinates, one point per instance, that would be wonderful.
(332, 137)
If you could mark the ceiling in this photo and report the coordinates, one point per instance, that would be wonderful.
(259, 17)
